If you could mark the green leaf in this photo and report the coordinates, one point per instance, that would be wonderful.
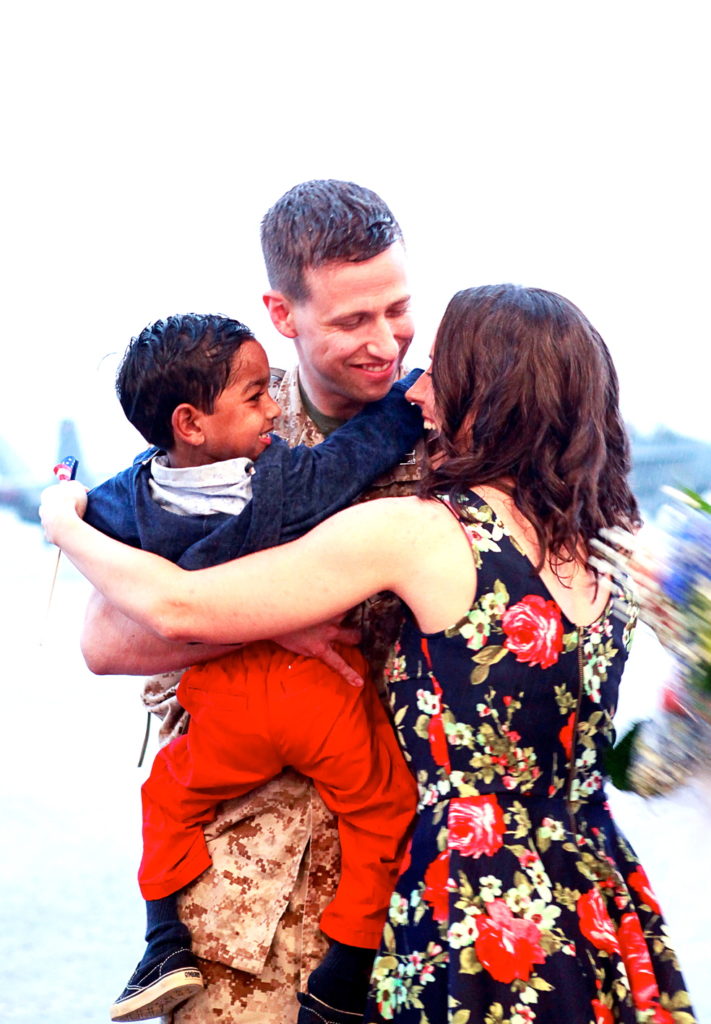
(400, 714)
(570, 641)
(383, 965)
(618, 759)
(388, 938)
(480, 674)
(468, 961)
(422, 726)
(696, 500)
(490, 655)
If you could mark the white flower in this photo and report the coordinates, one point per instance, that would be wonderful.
(587, 759)
(463, 933)
(518, 899)
(429, 702)
(459, 734)
(543, 914)
(553, 828)
(398, 909)
(489, 888)
(528, 995)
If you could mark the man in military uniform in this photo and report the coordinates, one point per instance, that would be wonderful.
(336, 268)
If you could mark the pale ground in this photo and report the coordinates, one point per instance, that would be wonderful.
(70, 915)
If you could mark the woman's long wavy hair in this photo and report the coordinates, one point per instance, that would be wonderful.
(528, 400)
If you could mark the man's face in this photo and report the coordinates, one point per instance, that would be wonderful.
(353, 331)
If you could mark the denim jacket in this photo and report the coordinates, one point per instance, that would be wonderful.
(293, 489)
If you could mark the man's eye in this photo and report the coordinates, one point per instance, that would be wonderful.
(398, 311)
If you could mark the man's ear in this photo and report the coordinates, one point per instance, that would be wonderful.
(280, 310)
(186, 422)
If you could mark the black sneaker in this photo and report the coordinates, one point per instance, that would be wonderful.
(157, 986)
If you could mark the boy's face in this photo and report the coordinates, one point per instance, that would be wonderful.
(244, 412)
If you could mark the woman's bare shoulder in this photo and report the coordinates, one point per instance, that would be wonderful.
(405, 515)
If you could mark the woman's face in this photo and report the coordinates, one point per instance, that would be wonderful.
(421, 394)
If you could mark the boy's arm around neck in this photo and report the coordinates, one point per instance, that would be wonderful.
(322, 480)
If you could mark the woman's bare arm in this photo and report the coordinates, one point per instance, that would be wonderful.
(411, 547)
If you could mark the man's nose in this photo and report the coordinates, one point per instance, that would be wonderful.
(382, 342)
(274, 409)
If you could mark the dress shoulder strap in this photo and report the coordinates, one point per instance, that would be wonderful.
(484, 530)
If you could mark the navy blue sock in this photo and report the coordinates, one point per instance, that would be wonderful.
(164, 929)
(342, 978)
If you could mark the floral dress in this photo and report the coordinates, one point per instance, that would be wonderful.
(519, 901)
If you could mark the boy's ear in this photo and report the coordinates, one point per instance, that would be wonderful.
(281, 312)
(186, 422)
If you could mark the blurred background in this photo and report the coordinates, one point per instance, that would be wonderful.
(560, 145)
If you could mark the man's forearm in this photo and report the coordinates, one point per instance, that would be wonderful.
(113, 644)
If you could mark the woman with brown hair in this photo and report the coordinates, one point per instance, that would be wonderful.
(518, 900)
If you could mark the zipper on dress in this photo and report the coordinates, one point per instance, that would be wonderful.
(572, 770)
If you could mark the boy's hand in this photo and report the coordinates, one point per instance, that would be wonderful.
(59, 504)
(316, 642)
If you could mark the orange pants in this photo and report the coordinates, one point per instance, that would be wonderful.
(252, 713)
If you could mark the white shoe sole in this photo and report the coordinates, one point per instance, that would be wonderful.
(161, 997)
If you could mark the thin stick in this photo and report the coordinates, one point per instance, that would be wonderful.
(51, 595)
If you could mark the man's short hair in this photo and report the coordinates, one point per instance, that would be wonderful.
(319, 222)
(184, 358)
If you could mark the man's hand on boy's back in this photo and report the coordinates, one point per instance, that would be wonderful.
(317, 642)
(113, 644)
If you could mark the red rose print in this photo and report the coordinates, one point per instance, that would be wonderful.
(534, 631)
(406, 859)
(436, 892)
(595, 922)
(438, 741)
(672, 701)
(634, 951)
(640, 883)
(566, 735)
(603, 1014)
(507, 946)
(476, 825)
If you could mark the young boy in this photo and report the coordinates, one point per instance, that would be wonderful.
(196, 387)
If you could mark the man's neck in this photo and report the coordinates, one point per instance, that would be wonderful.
(325, 423)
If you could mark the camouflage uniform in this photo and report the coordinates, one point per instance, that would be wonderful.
(254, 915)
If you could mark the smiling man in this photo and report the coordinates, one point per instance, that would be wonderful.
(338, 288)
(350, 322)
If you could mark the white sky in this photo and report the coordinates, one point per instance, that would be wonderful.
(556, 144)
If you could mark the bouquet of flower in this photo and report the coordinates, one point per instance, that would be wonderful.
(668, 570)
